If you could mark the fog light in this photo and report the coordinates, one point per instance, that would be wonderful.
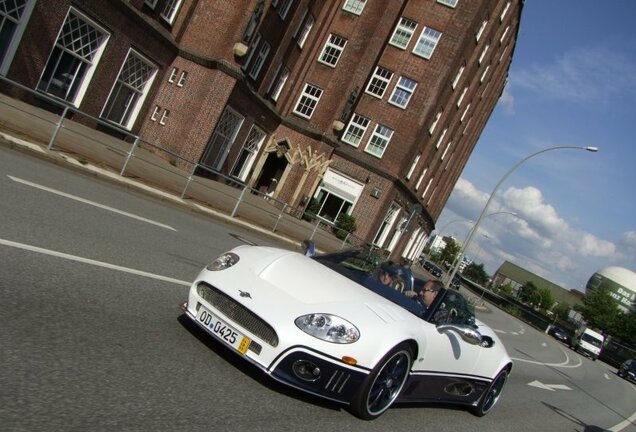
(306, 370)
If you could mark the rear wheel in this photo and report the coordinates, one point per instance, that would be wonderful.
(491, 396)
(383, 385)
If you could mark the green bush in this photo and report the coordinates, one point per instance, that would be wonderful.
(345, 224)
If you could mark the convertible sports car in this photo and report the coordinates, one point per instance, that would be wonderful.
(328, 326)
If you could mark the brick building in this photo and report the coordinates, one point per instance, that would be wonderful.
(365, 107)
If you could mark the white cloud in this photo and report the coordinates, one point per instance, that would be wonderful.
(507, 100)
(628, 243)
(581, 75)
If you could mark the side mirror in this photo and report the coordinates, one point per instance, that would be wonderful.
(467, 333)
(308, 247)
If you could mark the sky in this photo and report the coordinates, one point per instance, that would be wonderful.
(572, 82)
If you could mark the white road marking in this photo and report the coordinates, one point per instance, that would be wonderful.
(551, 387)
(606, 376)
(85, 201)
(619, 427)
(92, 262)
(563, 364)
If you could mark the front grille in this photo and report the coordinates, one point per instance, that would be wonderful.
(238, 313)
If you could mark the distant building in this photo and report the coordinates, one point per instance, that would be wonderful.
(370, 108)
(621, 283)
(515, 276)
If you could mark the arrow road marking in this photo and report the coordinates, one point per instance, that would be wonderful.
(551, 387)
(85, 201)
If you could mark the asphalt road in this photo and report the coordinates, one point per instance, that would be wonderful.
(90, 337)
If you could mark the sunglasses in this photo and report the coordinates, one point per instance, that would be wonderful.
(428, 290)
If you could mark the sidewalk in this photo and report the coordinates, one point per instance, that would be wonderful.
(29, 129)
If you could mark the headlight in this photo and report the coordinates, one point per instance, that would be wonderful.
(223, 262)
(329, 328)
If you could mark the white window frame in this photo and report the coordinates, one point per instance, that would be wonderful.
(449, 3)
(250, 52)
(457, 77)
(170, 10)
(483, 75)
(333, 49)
(387, 224)
(173, 75)
(357, 128)
(252, 145)
(151, 3)
(427, 42)
(304, 28)
(483, 53)
(466, 127)
(308, 100)
(482, 27)
(404, 30)
(461, 119)
(505, 10)
(461, 97)
(431, 129)
(14, 38)
(284, 9)
(402, 91)
(450, 143)
(263, 52)
(155, 113)
(441, 138)
(278, 83)
(421, 178)
(354, 6)
(428, 185)
(380, 139)
(379, 81)
(182, 79)
(412, 169)
(164, 117)
(503, 36)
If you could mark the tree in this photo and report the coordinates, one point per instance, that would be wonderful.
(476, 273)
(506, 290)
(529, 293)
(600, 310)
(562, 311)
(546, 299)
(450, 252)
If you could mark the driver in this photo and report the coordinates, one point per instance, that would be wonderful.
(428, 293)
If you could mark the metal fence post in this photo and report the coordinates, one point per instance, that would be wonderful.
(189, 180)
(344, 242)
(238, 202)
(57, 128)
(280, 216)
(130, 155)
(315, 229)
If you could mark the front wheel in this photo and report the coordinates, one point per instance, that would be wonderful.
(491, 396)
(383, 385)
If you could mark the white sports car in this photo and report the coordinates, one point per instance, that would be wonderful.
(327, 325)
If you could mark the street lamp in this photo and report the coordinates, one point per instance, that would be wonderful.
(471, 234)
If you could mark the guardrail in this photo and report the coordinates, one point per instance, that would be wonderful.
(58, 126)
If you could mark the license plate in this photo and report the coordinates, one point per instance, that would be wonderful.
(224, 331)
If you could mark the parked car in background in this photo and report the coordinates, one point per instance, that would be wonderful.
(456, 282)
(628, 370)
(559, 334)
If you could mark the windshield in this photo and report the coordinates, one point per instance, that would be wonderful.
(591, 340)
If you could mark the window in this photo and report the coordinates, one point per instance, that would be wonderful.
(402, 92)
(387, 224)
(403, 33)
(279, 82)
(379, 82)
(420, 178)
(457, 77)
(427, 42)
(428, 185)
(251, 50)
(503, 36)
(173, 75)
(332, 50)
(441, 138)
(170, 10)
(355, 130)
(130, 90)
(222, 138)
(260, 59)
(434, 124)
(466, 128)
(73, 59)
(246, 158)
(182, 79)
(483, 54)
(503, 14)
(308, 101)
(449, 3)
(155, 113)
(481, 30)
(284, 9)
(415, 161)
(461, 97)
(14, 16)
(450, 143)
(164, 118)
(354, 6)
(464, 113)
(483, 76)
(304, 28)
(379, 140)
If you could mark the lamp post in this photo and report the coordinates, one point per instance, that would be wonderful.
(471, 234)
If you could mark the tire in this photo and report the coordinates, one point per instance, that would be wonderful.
(491, 395)
(383, 385)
